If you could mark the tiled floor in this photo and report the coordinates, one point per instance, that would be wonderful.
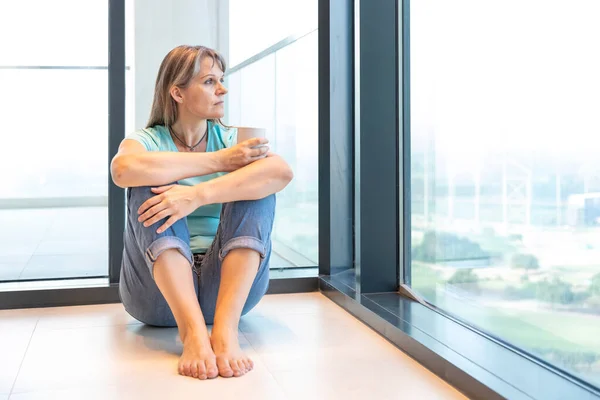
(304, 347)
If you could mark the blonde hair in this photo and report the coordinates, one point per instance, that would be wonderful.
(178, 68)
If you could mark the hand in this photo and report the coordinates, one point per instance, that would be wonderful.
(176, 201)
(242, 154)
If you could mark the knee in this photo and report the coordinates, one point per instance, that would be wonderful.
(176, 236)
(262, 208)
(141, 192)
(268, 202)
(136, 196)
(248, 217)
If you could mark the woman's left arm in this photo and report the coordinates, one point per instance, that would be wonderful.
(252, 182)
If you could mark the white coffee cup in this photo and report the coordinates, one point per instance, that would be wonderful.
(250, 133)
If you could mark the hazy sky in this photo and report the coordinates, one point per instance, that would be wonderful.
(506, 75)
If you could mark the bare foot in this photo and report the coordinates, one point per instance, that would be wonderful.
(231, 360)
(198, 359)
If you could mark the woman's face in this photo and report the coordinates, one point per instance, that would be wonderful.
(204, 97)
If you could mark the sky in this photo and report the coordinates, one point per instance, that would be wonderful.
(493, 76)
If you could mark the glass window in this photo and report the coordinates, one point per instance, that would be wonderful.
(280, 93)
(505, 187)
(57, 32)
(53, 204)
(255, 25)
(296, 140)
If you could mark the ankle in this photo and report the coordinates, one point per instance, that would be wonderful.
(221, 342)
(194, 333)
(222, 327)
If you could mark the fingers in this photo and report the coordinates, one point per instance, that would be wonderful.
(167, 225)
(157, 217)
(162, 189)
(259, 151)
(255, 142)
(151, 212)
(149, 203)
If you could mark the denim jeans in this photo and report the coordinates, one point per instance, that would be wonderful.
(243, 224)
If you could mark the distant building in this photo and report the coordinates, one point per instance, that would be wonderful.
(583, 210)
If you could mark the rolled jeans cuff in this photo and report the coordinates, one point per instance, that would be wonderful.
(243, 242)
(161, 244)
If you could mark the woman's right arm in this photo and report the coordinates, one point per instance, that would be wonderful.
(133, 166)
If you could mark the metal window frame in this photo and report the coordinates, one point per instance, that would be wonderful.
(379, 132)
(283, 43)
(336, 129)
(116, 127)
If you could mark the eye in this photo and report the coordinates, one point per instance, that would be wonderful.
(209, 81)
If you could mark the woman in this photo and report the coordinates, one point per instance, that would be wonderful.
(196, 251)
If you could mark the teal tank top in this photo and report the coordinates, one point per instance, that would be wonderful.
(203, 222)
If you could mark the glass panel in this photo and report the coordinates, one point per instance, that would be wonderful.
(279, 93)
(62, 139)
(255, 25)
(505, 190)
(57, 32)
(233, 103)
(258, 95)
(53, 204)
(296, 140)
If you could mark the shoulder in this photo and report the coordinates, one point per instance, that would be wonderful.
(153, 138)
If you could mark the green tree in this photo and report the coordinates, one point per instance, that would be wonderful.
(595, 286)
(526, 291)
(525, 261)
(444, 246)
(555, 292)
(463, 276)
(593, 303)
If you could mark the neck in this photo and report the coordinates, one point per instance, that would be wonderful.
(190, 131)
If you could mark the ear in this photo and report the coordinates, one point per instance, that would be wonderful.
(176, 94)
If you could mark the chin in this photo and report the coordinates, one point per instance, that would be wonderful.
(217, 115)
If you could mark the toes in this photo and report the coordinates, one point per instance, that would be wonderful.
(249, 366)
(211, 369)
(201, 370)
(193, 369)
(186, 367)
(225, 370)
(238, 367)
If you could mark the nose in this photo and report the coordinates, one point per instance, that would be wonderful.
(221, 89)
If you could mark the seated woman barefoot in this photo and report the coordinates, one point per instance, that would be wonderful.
(200, 215)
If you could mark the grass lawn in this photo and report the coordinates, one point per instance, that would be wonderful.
(530, 329)
(582, 330)
(519, 328)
